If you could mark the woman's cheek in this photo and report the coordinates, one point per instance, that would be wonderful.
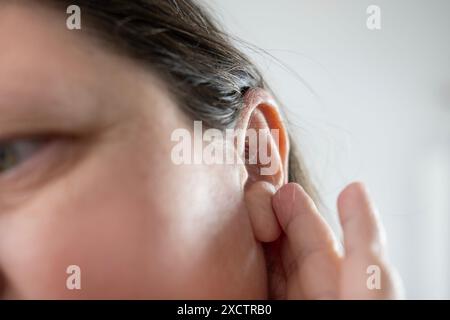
(186, 236)
(106, 240)
(91, 219)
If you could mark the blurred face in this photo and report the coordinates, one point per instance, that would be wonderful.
(86, 178)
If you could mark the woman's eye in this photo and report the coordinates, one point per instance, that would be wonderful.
(13, 153)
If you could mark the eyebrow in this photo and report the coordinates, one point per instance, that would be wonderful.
(40, 107)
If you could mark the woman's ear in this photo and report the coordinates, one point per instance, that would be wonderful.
(263, 144)
(262, 140)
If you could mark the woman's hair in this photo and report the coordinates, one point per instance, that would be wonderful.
(180, 41)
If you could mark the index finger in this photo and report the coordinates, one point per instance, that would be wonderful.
(311, 241)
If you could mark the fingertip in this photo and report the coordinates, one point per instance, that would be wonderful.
(351, 193)
(283, 202)
(359, 219)
(282, 195)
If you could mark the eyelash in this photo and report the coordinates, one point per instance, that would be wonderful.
(15, 152)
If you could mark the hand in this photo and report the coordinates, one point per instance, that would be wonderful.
(305, 263)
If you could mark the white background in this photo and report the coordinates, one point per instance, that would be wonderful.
(378, 111)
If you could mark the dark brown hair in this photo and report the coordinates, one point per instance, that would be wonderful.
(181, 42)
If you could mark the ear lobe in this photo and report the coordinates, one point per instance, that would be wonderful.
(258, 199)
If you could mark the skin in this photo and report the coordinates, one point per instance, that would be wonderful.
(102, 193)
(305, 261)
